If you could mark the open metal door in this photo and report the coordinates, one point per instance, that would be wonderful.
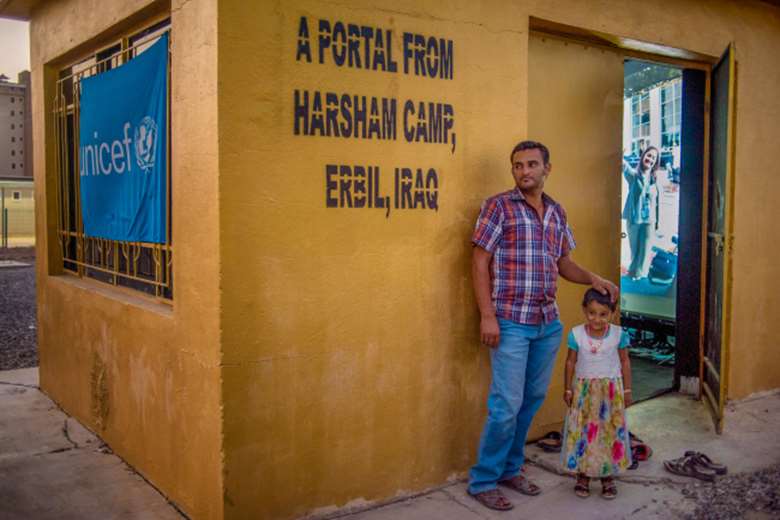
(720, 238)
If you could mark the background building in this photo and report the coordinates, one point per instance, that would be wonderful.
(15, 127)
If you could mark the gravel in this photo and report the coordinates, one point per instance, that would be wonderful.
(18, 334)
(745, 495)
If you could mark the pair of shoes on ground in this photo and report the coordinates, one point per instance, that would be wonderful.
(639, 451)
(608, 487)
(551, 442)
(495, 499)
(697, 465)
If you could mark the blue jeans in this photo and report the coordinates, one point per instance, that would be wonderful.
(522, 365)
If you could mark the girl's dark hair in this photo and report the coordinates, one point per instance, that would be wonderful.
(592, 295)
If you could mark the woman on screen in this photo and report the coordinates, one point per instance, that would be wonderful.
(641, 209)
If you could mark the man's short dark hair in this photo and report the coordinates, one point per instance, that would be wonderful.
(592, 295)
(531, 145)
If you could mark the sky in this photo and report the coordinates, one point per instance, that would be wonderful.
(14, 47)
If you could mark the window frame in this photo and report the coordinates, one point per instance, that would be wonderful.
(143, 267)
(640, 119)
(671, 110)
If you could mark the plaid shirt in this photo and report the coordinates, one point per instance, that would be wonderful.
(524, 267)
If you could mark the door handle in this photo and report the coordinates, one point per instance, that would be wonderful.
(719, 242)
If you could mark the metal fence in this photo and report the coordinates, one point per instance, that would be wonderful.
(17, 216)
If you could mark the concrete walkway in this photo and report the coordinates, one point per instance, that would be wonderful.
(670, 424)
(51, 467)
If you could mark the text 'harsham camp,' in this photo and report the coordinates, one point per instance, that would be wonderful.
(331, 114)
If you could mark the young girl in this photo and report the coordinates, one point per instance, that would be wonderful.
(595, 442)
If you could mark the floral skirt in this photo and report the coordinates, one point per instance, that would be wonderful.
(595, 435)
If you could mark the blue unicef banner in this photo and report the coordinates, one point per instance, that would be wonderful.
(123, 129)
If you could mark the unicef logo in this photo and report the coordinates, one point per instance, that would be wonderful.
(146, 143)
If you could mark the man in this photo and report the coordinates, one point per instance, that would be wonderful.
(521, 243)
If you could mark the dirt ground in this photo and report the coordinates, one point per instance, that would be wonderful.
(20, 254)
(753, 495)
(18, 334)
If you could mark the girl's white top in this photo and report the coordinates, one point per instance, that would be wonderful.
(605, 361)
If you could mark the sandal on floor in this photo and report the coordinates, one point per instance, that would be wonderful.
(551, 442)
(639, 449)
(493, 499)
(641, 452)
(608, 488)
(521, 484)
(582, 487)
(687, 467)
(703, 460)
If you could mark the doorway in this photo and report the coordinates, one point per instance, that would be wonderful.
(650, 209)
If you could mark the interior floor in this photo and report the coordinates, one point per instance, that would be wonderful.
(649, 379)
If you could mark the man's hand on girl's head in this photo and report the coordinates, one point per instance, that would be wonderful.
(605, 287)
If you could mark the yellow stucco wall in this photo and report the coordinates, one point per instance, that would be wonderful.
(755, 365)
(143, 375)
(351, 366)
(350, 370)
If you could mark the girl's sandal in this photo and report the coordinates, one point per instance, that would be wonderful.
(582, 487)
(608, 488)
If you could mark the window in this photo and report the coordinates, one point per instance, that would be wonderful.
(12, 100)
(13, 152)
(13, 166)
(145, 267)
(17, 195)
(671, 113)
(640, 120)
(13, 139)
(12, 126)
(12, 113)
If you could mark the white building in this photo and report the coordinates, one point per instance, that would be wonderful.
(652, 117)
(15, 131)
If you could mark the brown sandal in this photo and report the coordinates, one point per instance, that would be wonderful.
(521, 484)
(582, 487)
(551, 443)
(608, 488)
(493, 499)
(703, 460)
(687, 467)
